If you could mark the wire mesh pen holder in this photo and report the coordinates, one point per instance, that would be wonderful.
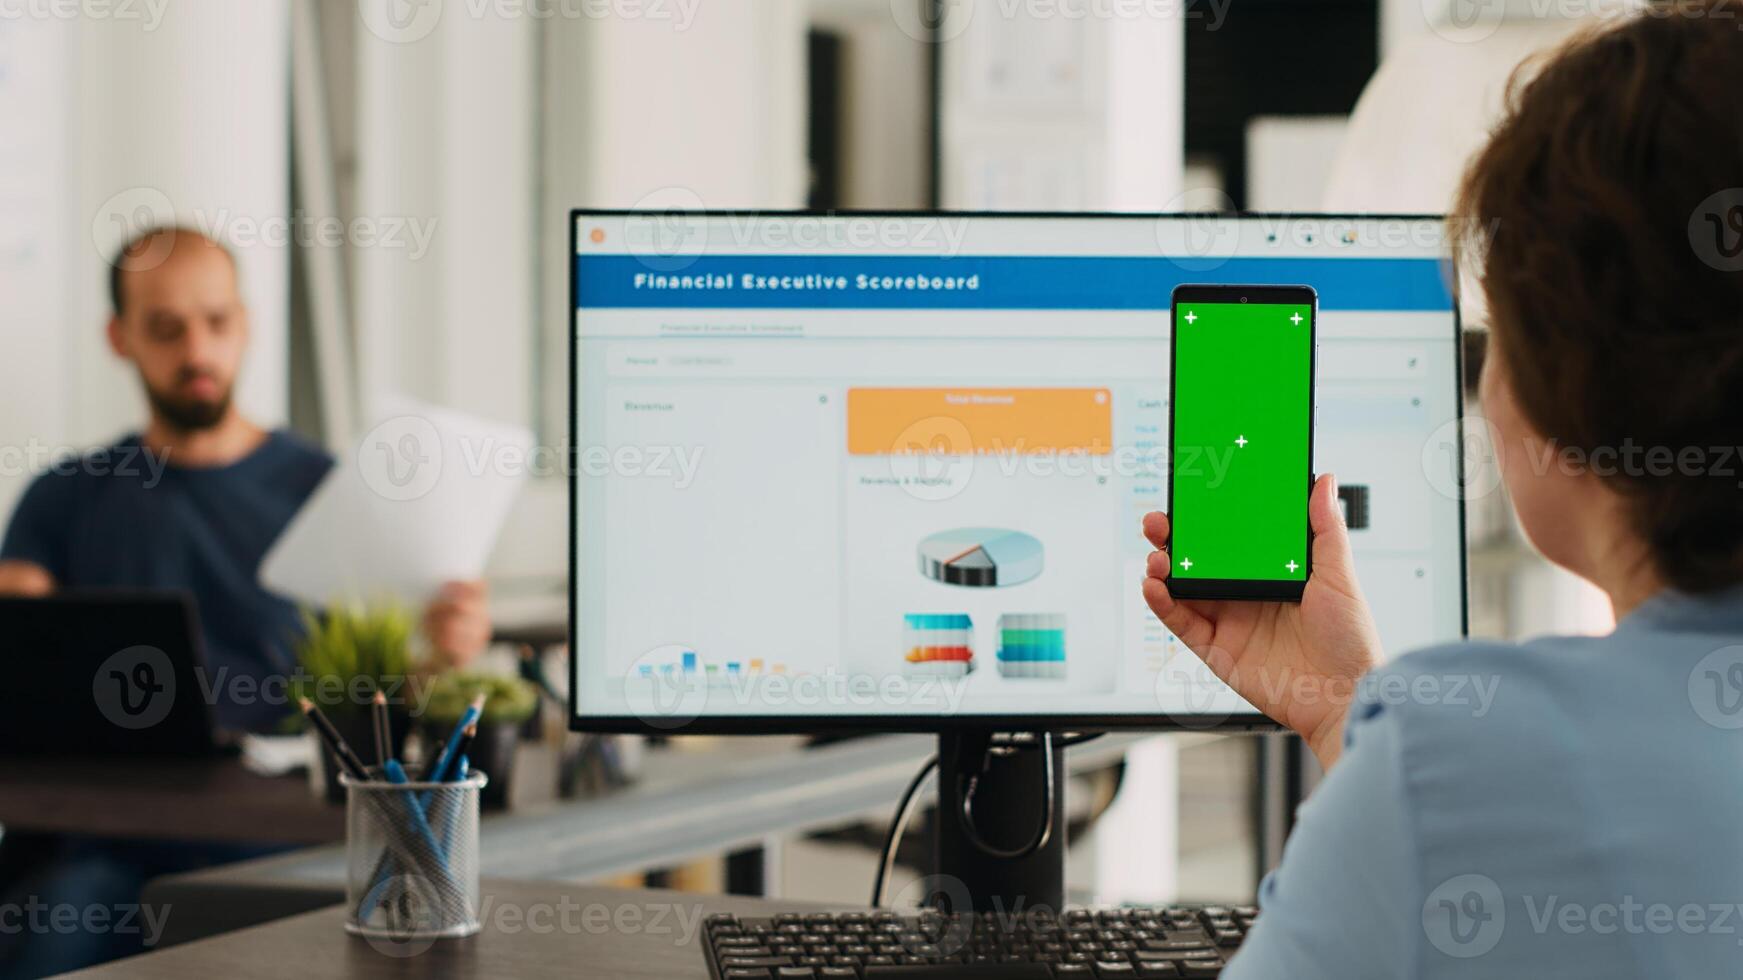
(411, 856)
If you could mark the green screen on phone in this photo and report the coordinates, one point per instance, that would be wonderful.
(1243, 404)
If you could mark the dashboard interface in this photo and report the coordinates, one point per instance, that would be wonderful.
(888, 470)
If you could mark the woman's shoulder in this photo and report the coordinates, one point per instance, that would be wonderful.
(1455, 700)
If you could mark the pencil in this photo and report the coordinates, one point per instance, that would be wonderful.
(437, 773)
(348, 760)
(460, 750)
(383, 740)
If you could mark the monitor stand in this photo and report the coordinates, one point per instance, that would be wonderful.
(1009, 805)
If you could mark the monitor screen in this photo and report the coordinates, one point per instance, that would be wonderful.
(886, 471)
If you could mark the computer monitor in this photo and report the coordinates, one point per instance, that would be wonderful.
(886, 471)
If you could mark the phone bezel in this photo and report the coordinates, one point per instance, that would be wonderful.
(1275, 590)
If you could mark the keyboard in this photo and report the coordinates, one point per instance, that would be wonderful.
(1174, 942)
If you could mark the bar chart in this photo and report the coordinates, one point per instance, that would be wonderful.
(1032, 645)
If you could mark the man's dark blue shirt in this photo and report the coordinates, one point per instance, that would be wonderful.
(120, 518)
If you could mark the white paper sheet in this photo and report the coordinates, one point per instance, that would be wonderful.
(418, 502)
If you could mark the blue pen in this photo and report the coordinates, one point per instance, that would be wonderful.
(462, 769)
(446, 756)
(414, 813)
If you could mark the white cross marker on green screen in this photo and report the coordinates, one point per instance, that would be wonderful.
(1295, 319)
(1292, 566)
(1191, 317)
(1241, 442)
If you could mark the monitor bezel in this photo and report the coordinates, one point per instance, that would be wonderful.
(936, 724)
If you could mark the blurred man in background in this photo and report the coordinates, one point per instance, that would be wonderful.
(194, 501)
(191, 503)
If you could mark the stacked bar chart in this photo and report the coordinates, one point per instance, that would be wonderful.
(938, 644)
(1032, 645)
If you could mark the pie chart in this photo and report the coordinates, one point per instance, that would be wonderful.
(980, 557)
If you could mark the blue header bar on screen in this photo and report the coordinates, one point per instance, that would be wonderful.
(1075, 282)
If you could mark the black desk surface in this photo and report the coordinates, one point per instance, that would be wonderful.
(213, 799)
(531, 930)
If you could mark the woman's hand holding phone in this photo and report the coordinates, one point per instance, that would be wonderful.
(1299, 663)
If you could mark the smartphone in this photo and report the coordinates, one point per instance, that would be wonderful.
(1240, 453)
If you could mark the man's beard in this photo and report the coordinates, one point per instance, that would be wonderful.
(188, 414)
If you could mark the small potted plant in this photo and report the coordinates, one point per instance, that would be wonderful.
(508, 702)
(347, 653)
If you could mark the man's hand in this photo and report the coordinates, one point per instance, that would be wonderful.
(458, 623)
(25, 578)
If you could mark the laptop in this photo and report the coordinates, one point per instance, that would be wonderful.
(101, 673)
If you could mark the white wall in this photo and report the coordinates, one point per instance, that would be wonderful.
(445, 143)
(125, 121)
(1289, 160)
(37, 244)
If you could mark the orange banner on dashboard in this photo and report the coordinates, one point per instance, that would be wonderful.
(972, 421)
